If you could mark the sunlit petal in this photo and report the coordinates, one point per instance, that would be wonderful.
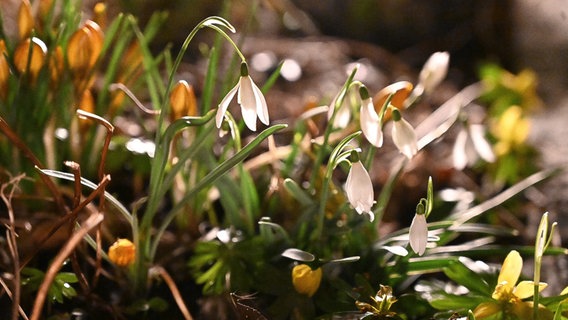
(486, 309)
(525, 289)
(511, 269)
(418, 234)
(459, 155)
(434, 71)
(482, 146)
(370, 123)
(359, 188)
(224, 105)
(261, 107)
(404, 138)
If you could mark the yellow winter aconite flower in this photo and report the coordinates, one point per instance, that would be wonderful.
(511, 130)
(305, 280)
(122, 252)
(508, 295)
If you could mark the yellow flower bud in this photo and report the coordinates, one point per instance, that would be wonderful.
(305, 280)
(122, 252)
(4, 70)
(45, 6)
(83, 51)
(100, 11)
(30, 56)
(56, 65)
(400, 91)
(183, 101)
(25, 19)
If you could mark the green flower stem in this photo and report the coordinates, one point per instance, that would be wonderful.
(208, 179)
(321, 152)
(337, 155)
(160, 162)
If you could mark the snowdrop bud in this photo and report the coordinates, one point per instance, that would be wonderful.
(305, 280)
(434, 71)
(370, 122)
(403, 135)
(418, 233)
(359, 189)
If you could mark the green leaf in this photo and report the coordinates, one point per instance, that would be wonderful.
(450, 302)
(298, 193)
(298, 255)
(464, 276)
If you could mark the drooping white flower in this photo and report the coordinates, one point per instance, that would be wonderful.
(359, 189)
(470, 145)
(249, 97)
(342, 114)
(370, 122)
(418, 234)
(403, 135)
(433, 72)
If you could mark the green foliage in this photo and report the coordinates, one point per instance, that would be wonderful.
(59, 290)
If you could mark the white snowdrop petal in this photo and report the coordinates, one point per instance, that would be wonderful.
(224, 105)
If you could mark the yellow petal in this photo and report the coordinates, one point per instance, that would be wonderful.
(4, 70)
(25, 19)
(183, 101)
(122, 252)
(24, 61)
(305, 280)
(400, 91)
(525, 289)
(486, 309)
(511, 269)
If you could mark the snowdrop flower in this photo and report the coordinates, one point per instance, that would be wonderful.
(342, 115)
(403, 135)
(370, 122)
(249, 97)
(470, 145)
(434, 71)
(418, 233)
(359, 189)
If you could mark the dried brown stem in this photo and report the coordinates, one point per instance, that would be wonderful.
(123, 88)
(89, 224)
(110, 129)
(11, 239)
(15, 139)
(175, 292)
(66, 218)
(76, 169)
(9, 293)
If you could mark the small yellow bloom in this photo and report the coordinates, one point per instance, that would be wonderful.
(122, 252)
(506, 293)
(183, 101)
(511, 130)
(305, 280)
